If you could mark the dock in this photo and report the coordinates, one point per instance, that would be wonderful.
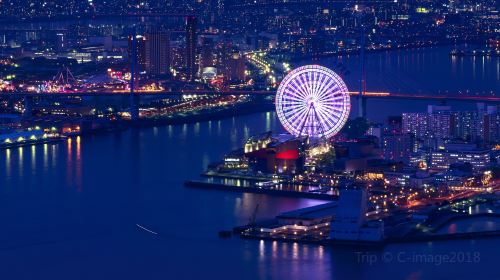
(256, 189)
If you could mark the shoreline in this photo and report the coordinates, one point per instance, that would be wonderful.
(31, 143)
(284, 193)
(382, 243)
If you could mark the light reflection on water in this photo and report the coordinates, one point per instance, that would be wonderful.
(415, 71)
(7, 163)
(131, 177)
(33, 159)
(472, 225)
(20, 161)
(45, 157)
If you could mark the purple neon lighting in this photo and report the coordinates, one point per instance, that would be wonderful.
(313, 101)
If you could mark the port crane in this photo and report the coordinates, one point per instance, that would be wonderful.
(251, 221)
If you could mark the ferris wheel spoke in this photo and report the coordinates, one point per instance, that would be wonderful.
(298, 89)
(308, 123)
(330, 90)
(319, 80)
(293, 107)
(293, 91)
(304, 85)
(293, 101)
(331, 112)
(309, 77)
(315, 121)
(328, 118)
(329, 97)
(294, 112)
(324, 125)
(293, 96)
(333, 103)
(326, 90)
(299, 119)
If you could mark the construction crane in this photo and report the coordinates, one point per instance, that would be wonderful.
(251, 221)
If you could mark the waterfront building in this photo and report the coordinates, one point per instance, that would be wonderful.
(310, 223)
(309, 216)
(349, 223)
(235, 160)
(275, 154)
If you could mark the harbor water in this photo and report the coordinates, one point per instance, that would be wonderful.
(113, 206)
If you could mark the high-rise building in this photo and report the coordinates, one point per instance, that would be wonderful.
(60, 42)
(469, 125)
(440, 123)
(492, 128)
(140, 52)
(191, 45)
(416, 124)
(398, 147)
(236, 67)
(207, 53)
(157, 52)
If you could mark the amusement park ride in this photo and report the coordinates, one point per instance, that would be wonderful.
(313, 101)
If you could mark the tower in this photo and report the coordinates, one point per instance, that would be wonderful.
(138, 50)
(191, 47)
(134, 110)
(362, 79)
(157, 52)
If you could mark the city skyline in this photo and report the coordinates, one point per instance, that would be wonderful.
(267, 139)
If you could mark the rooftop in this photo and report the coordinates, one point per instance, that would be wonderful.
(309, 213)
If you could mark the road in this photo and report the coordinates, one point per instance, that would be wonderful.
(166, 94)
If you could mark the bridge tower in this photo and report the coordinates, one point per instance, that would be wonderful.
(362, 79)
(134, 110)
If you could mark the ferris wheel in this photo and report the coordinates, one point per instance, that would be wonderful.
(313, 101)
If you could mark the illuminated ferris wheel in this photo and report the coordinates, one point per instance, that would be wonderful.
(313, 101)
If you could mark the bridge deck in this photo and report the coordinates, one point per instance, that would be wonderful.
(165, 94)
